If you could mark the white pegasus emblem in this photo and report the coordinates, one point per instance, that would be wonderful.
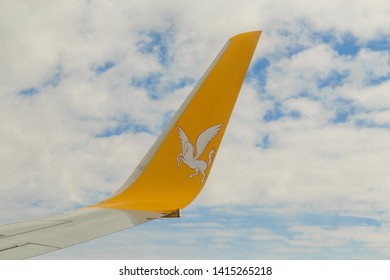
(187, 150)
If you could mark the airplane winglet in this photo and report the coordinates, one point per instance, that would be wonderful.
(175, 169)
(167, 179)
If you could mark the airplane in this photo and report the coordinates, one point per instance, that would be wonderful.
(167, 179)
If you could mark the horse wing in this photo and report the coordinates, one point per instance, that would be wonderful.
(183, 137)
(204, 139)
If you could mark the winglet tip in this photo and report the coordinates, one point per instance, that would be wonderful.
(253, 34)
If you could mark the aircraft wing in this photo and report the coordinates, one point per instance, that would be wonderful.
(26, 239)
(166, 180)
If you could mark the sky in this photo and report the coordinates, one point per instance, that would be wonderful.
(302, 172)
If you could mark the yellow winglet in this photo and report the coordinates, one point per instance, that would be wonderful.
(176, 167)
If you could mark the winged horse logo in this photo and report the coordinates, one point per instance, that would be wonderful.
(187, 150)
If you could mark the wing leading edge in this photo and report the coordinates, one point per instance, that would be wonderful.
(167, 179)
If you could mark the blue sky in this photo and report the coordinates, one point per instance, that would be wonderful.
(302, 172)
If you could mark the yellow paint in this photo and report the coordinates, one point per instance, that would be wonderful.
(165, 187)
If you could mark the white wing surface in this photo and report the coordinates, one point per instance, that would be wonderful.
(26, 239)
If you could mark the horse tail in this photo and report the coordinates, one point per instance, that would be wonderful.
(211, 155)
